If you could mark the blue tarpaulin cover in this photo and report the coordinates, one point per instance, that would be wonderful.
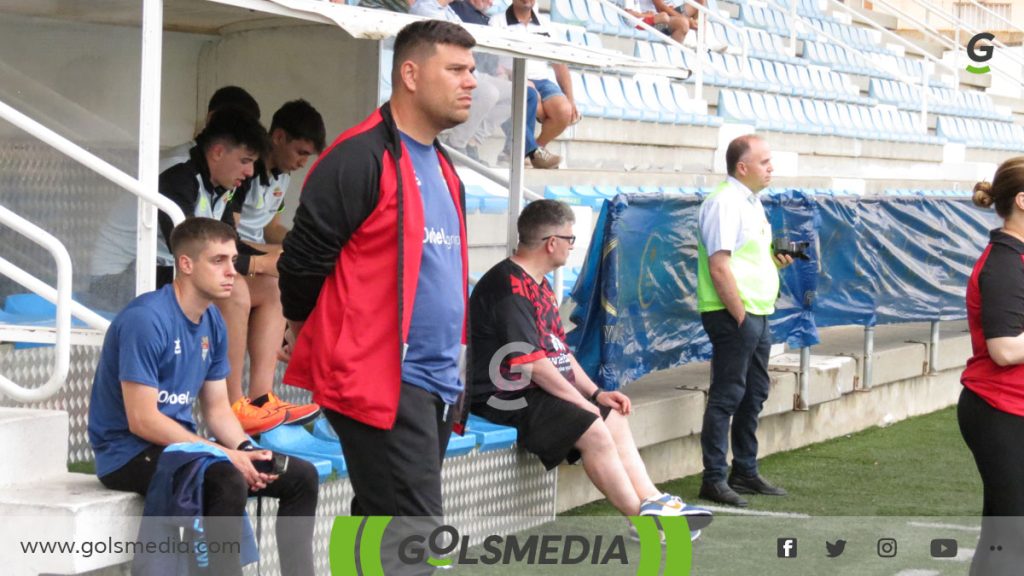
(873, 260)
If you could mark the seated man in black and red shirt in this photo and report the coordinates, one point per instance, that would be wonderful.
(524, 375)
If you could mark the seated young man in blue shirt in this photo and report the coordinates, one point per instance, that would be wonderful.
(162, 352)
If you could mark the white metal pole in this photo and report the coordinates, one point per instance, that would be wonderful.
(517, 158)
(149, 141)
(868, 367)
(804, 379)
(698, 82)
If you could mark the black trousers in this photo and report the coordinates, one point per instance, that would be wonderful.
(224, 496)
(994, 438)
(739, 387)
(397, 472)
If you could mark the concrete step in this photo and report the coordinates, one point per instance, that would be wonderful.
(871, 184)
(671, 402)
(48, 335)
(67, 508)
(34, 444)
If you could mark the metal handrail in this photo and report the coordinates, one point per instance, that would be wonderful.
(62, 359)
(496, 177)
(922, 25)
(991, 12)
(488, 172)
(50, 294)
(91, 161)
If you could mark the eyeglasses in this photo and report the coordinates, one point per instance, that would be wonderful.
(570, 239)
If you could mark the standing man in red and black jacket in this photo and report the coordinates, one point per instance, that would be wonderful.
(373, 279)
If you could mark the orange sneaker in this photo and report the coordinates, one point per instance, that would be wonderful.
(256, 419)
(297, 413)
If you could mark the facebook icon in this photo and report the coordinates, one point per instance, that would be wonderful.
(787, 547)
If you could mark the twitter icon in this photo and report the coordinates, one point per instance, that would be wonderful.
(835, 549)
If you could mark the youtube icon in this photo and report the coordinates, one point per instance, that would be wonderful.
(944, 548)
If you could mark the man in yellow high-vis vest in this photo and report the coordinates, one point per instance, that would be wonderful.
(737, 284)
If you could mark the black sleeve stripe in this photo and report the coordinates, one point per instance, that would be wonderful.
(337, 197)
(1001, 283)
(179, 184)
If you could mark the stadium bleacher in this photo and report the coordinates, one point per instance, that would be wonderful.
(809, 92)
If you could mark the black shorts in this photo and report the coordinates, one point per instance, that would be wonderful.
(548, 426)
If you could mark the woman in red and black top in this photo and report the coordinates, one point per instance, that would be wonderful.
(991, 408)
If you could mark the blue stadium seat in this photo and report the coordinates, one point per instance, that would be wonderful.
(459, 445)
(649, 94)
(296, 441)
(563, 11)
(630, 110)
(322, 429)
(588, 196)
(576, 35)
(596, 92)
(731, 108)
(642, 51)
(562, 194)
(667, 98)
(490, 436)
(650, 111)
(605, 193)
(586, 105)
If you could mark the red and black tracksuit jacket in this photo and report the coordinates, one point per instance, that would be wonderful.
(350, 267)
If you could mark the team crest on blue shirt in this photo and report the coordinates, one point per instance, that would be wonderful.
(205, 346)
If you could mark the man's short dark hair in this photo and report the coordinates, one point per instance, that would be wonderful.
(300, 121)
(194, 233)
(234, 97)
(541, 218)
(419, 40)
(235, 128)
(736, 150)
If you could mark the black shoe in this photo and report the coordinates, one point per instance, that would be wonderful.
(721, 492)
(754, 485)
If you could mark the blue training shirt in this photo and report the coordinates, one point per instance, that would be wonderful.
(435, 333)
(153, 343)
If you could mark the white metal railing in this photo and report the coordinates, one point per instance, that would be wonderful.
(984, 16)
(91, 161)
(62, 358)
(144, 189)
(499, 179)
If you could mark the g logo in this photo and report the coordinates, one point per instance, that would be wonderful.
(981, 53)
(504, 384)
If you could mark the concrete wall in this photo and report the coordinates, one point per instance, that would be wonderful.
(336, 74)
(82, 79)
